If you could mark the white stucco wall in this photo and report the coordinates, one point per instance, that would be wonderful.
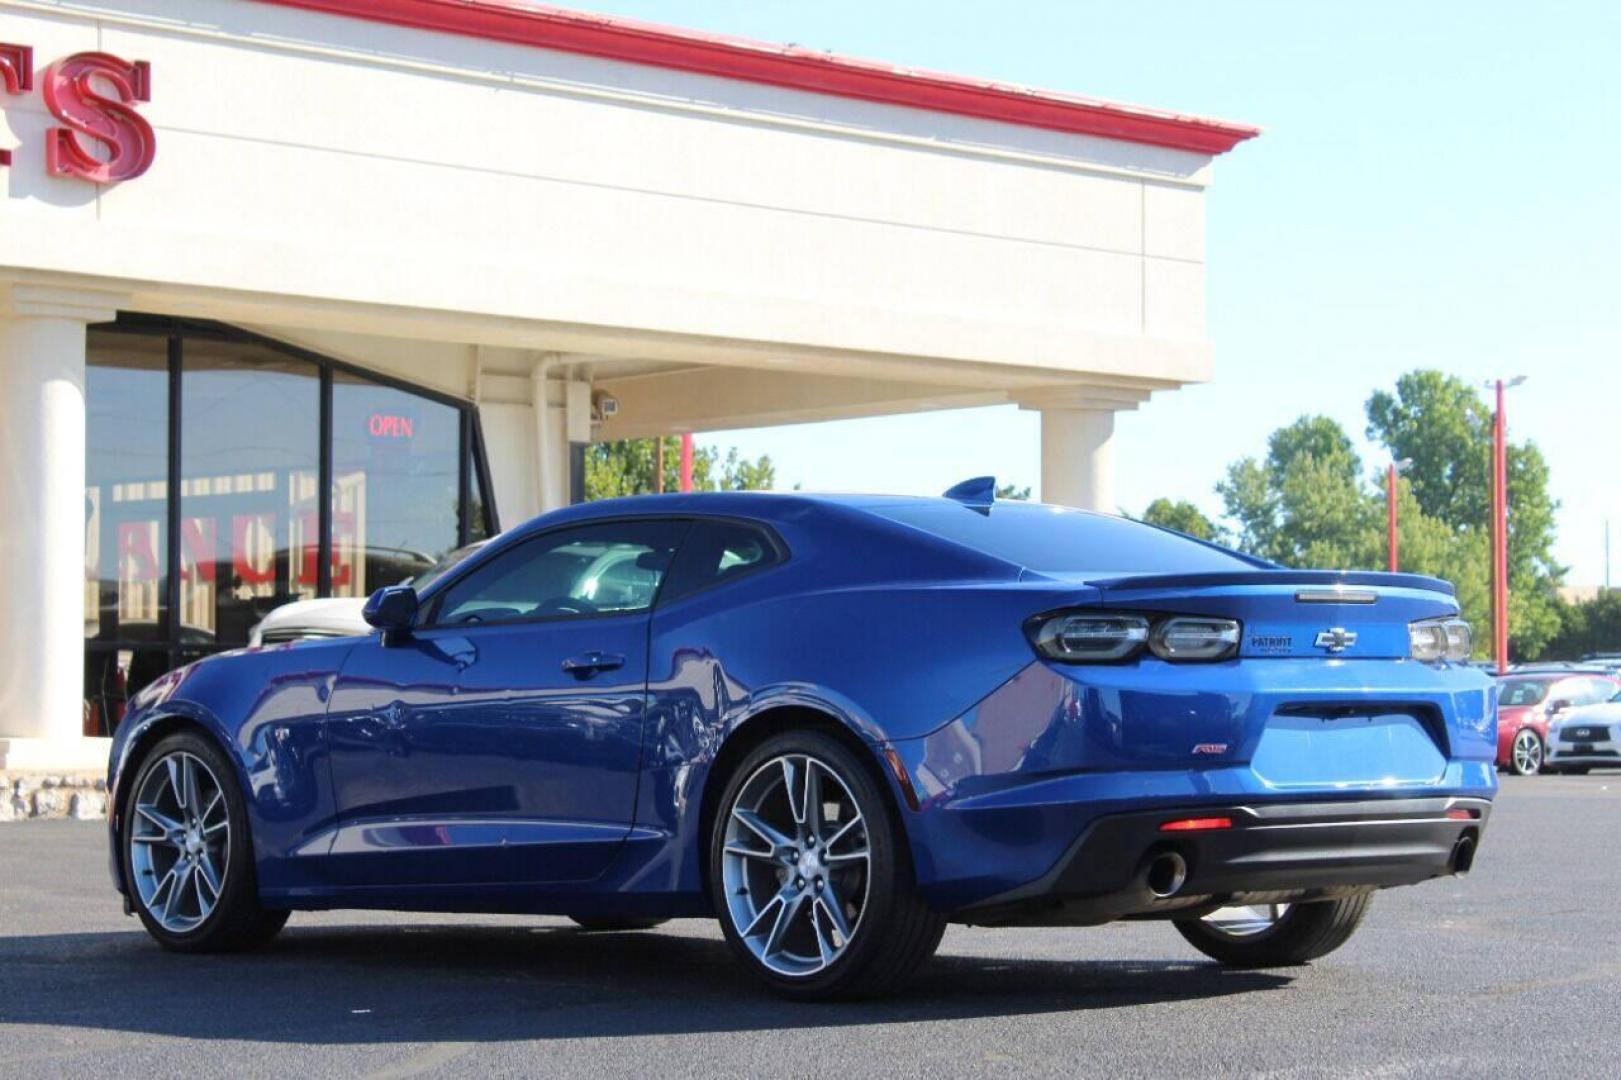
(303, 155)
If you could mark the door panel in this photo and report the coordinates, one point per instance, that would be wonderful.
(502, 745)
(468, 757)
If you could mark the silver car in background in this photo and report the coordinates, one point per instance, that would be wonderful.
(1585, 737)
(336, 616)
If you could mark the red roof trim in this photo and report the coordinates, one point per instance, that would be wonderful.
(798, 69)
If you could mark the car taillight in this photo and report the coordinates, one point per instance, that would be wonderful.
(1091, 638)
(1440, 639)
(1104, 637)
(1186, 638)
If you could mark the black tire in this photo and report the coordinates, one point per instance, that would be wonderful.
(596, 924)
(237, 922)
(1303, 933)
(895, 931)
(1530, 762)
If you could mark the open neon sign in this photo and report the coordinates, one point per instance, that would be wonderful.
(391, 426)
(102, 138)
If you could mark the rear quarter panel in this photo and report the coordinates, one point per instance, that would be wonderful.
(890, 661)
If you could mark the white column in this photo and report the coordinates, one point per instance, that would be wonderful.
(1077, 458)
(551, 439)
(42, 524)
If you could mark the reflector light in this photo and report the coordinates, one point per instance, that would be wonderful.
(1460, 815)
(1197, 824)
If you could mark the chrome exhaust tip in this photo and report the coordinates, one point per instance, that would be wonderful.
(1463, 854)
(1166, 874)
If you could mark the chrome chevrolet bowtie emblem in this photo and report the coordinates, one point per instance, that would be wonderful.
(1335, 639)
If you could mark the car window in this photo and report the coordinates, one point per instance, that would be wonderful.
(612, 568)
(1597, 690)
(442, 567)
(1523, 692)
(717, 551)
(1053, 540)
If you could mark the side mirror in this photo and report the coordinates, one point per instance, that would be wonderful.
(1558, 707)
(393, 610)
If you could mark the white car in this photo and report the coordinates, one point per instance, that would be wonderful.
(335, 616)
(1585, 737)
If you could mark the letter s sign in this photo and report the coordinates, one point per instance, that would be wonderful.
(73, 93)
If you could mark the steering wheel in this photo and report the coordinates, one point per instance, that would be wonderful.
(567, 605)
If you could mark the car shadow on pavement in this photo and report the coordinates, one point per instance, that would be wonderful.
(440, 983)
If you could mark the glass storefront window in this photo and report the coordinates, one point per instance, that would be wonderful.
(126, 489)
(245, 535)
(396, 484)
(249, 468)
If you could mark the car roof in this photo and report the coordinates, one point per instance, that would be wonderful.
(758, 505)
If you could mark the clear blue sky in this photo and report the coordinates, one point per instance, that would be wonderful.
(1438, 184)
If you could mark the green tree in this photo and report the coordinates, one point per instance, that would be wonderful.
(1182, 516)
(628, 467)
(1427, 545)
(1441, 424)
(1305, 505)
(1013, 491)
(1594, 626)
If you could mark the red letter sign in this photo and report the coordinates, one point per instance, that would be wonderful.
(72, 97)
(16, 77)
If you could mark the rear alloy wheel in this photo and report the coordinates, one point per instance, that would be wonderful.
(810, 875)
(1525, 756)
(188, 863)
(1275, 935)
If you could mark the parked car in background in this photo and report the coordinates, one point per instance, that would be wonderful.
(1609, 661)
(836, 724)
(337, 616)
(1529, 698)
(1585, 737)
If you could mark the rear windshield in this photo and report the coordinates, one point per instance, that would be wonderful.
(1523, 692)
(1066, 543)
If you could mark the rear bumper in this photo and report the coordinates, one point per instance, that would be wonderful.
(1277, 852)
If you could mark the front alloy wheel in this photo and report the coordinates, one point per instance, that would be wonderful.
(810, 875)
(188, 860)
(180, 841)
(1525, 757)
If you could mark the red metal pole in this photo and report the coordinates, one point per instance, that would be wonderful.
(1500, 538)
(686, 461)
(1390, 500)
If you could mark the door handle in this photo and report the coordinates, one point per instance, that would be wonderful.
(587, 664)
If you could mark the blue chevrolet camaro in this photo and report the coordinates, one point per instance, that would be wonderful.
(835, 723)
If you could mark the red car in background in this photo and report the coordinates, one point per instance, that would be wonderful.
(1526, 701)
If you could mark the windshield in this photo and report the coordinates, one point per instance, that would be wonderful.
(1057, 541)
(1524, 692)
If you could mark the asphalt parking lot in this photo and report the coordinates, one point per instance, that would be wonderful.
(1514, 970)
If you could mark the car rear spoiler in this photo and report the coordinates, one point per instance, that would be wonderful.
(1319, 579)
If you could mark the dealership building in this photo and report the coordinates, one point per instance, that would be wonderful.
(298, 295)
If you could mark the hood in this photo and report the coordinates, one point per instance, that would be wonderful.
(1608, 712)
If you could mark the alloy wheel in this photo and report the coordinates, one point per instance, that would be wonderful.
(795, 865)
(1527, 752)
(1246, 920)
(180, 842)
